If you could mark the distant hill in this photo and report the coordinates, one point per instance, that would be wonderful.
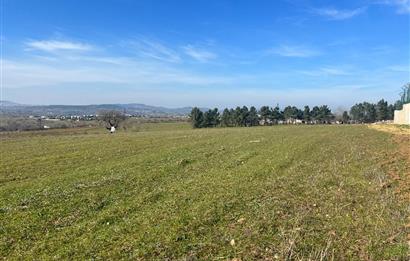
(12, 108)
(8, 103)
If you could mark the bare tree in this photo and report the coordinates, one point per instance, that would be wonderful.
(111, 118)
(405, 94)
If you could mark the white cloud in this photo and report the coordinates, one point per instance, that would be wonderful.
(294, 51)
(338, 14)
(157, 83)
(68, 62)
(162, 81)
(85, 70)
(326, 71)
(403, 6)
(55, 45)
(198, 54)
(151, 49)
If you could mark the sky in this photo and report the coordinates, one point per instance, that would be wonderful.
(208, 53)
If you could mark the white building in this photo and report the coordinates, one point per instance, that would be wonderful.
(402, 116)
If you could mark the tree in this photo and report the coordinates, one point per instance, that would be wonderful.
(345, 117)
(215, 117)
(398, 105)
(211, 118)
(370, 112)
(207, 121)
(314, 114)
(357, 112)
(306, 114)
(265, 113)
(299, 114)
(405, 95)
(292, 113)
(196, 118)
(112, 118)
(382, 110)
(226, 118)
(277, 115)
(390, 110)
(237, 116)
(243, 116)
(253, 119)
(364, 112)
(288, 113)
(232, 117)
(325, 114)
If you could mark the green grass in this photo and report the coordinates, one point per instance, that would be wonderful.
(168, 191)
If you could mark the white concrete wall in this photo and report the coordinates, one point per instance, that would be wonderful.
(402, 116)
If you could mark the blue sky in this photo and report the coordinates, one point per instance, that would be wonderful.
(205, 53)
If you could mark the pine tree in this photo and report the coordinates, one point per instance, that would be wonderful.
(196, 118)
(277, 115)
(325, 114)
(370, 112)
(314, 114)
(357, 112)
(253, 119)
(215, 117)
(237, 116)
(266, 114)
(226, 118)
(390, 112)
(244, 116)
(211, 118)
(232, 117)
(345, 117)
(382, 110)
(306, 114)
(292, 113)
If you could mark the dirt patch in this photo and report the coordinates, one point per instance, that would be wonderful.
(392, 128)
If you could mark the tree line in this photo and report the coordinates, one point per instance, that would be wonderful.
(381, 111)
(247, 117)
(368, 112)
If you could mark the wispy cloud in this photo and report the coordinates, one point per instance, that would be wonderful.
(152, 49)
(403, 6)
(326, 71)
(199, 54)
(163, 68)
(338, 14)
(56, 45)
(399, 68)
(294, 51)
(110, 70)
(141, 62)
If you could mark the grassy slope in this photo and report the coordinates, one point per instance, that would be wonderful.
(305, 191)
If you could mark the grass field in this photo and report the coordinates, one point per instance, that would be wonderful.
(170, 192)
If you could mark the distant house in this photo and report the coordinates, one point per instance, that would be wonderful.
(293, 121)
(265, 122)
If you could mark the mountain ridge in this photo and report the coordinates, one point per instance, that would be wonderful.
(139, 109)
